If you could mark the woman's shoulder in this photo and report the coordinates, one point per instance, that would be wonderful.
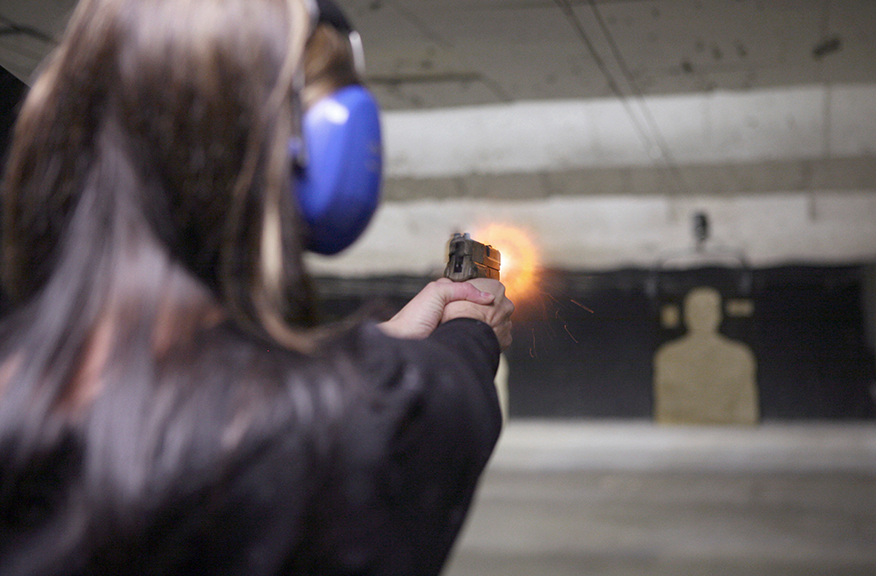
(441, 384)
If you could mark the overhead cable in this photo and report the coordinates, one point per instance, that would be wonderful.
(649, 132)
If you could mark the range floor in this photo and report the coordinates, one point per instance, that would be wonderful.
(621, 498)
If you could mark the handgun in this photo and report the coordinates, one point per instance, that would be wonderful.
(469, 259)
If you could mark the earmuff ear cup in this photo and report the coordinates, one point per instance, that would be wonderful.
(338, 189)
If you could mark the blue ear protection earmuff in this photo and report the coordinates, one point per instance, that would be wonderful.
(338, 172)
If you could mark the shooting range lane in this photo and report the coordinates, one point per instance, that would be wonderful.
(563, 498)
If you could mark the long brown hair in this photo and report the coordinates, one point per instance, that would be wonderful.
(197, 96)
(328, 64)
(151, 247)
(147, 196)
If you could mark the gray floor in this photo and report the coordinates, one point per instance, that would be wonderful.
(612, 498)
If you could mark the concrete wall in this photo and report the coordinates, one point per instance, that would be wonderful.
(705, 128)
(603, 232)
(787, 176)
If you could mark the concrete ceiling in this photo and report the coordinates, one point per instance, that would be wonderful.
(429, 53)
(424, 53)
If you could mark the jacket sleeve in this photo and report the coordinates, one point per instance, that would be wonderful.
(413, 448)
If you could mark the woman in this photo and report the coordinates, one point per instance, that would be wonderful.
(163, 409)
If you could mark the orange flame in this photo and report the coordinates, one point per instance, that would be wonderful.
(519, 272)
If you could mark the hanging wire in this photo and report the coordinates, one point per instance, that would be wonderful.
(826, 45)
(833, 41)
(26, 50)
(648, 132)
(9, 27)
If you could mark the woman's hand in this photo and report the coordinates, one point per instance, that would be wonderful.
(497, 314)
(443, 300)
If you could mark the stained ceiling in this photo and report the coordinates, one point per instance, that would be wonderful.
(426, 53)
(458, 52)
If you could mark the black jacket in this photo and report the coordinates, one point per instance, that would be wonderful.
(363, 460)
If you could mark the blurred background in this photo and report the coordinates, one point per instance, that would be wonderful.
(621, 154)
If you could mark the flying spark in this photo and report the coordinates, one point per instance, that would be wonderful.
(576, 303)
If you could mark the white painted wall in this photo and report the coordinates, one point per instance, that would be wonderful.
(598, 232)
(718, 127)
(607, 232)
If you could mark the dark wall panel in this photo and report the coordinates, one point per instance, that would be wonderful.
(583, 345)
(12, 90)
(804, 324)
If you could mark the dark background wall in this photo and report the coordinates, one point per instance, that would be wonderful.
(11, 92)
(583, 346)
(805, 325)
